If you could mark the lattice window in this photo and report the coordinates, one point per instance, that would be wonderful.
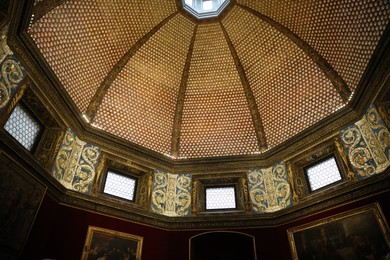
(23, 127)
(221, 198)
(120, 185)
(323, 173)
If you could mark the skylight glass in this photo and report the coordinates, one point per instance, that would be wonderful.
(322, 174)
(202, 9)
(207, 5)
(220, 198)
(23, 127)
(120, 185)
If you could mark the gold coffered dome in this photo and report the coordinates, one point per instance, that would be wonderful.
(240, 84)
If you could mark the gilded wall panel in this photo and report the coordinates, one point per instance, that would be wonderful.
(269, 189)
(4, 49)
(12, 74)
(367, 143)
(171, 194)
(76, 163)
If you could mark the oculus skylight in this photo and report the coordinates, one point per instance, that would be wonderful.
(203, 9)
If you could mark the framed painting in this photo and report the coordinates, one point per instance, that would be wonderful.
(102, 243)
(362, 233)
(21, 195)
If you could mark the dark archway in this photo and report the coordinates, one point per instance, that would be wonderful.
(222, 245)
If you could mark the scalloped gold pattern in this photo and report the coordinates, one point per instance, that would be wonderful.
(83, 40)
(344, 32)
(142, 99)
(291, 91)
(292, 66)
(216, 117)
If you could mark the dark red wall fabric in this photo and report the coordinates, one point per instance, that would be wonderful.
(59, 233)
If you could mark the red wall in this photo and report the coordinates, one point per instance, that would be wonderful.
(59, 233)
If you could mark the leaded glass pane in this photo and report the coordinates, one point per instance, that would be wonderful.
(323, 174)
(120, 185)
(220, 198)
(23, 127)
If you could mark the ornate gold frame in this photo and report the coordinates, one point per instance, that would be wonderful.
(347, 220)
(112, 235)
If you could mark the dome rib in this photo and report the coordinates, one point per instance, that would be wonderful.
(254, 110)
(176, 129)
(97, 99)
(42, 8)
(337, 81)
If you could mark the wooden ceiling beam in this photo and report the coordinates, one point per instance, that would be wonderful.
(176, 130)
(254, 110)
(337, 81)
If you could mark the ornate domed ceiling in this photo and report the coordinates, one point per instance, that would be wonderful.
(243, 83)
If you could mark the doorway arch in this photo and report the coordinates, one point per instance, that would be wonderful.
(227, 245)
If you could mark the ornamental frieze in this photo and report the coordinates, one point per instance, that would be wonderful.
(269, 189)
(171, 194)
(76, 162)
(367, 143)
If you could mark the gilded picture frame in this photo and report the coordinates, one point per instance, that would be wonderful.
(21, 195)
(361, 233)
(101, 243)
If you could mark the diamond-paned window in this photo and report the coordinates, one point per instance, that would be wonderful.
(323, 173)
(203, 9)
(120, 185)
(23, 127)
(221, 198)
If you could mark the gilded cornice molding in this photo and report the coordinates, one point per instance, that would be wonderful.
(176, 130)
(337, 81)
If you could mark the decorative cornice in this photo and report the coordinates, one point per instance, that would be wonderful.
(337, 81)
(336, 198)
(254, 110)
(176, 130)
(111, 76)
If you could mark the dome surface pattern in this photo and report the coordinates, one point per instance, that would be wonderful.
(242, 84)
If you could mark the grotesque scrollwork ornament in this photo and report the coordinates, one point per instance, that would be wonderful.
(344, 158)
(291, 178)
(171, 195)
(367, 144)
(269, 189)
(12, 74)
(4, 95)
(76, 163)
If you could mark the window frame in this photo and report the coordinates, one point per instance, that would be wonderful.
(133, 200)
(233, 179)
(316, 162)
(30, 113)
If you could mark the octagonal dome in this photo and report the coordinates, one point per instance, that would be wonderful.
(242, 84)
